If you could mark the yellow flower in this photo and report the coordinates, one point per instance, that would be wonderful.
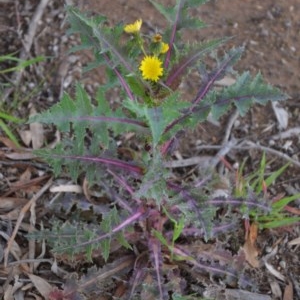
(157, 45)
(134, 27)
(151, 68)
(157, 38)
(164, 48)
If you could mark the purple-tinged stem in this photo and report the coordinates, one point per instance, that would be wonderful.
(120, 77)
(111, 119)
(174, 29)
(108, 161)
(130, 220)
(125, 185)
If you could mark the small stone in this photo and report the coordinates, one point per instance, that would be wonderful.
(282, 264)
(271, 142)
(236, 166)
(269, 249)
(237, 124)
(265, 32)
(55, 48)
(252, 42)
(31, 85)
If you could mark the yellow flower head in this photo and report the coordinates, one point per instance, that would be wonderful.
(157, 38)
(164, 48)
(151, 68)
(157, 45)
(134, 27)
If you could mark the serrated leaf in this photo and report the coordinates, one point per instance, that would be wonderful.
(95, 35)
(189, 59)
(223, 67)
(136, 86)
(158, 117)
(57, 114)
(192, 23)
(156, 121)
(122, 240)
(195, 3)
(217, 110)
(243, 94)
(98, 280)
(167, 12)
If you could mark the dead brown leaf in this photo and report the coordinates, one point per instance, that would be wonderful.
(9, 203)
(41, 285)
(288, 292)
(25, 136)
(243, 295)
(249, 247)
(21, 155)
(12, 215)
(8, 143)
(276, 290)
(295, 241)
(25, 176)
(274, 272)
(37, 132)
(8, 294)
(86, 190)
(28, 184)
(293, 210)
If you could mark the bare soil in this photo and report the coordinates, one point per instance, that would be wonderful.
(270, 32)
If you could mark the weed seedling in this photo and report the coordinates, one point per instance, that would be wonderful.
(155, 219)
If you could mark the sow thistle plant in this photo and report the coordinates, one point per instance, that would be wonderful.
(155, 219)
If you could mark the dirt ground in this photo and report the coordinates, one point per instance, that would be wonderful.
(270, 32)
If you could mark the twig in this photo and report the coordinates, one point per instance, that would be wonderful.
(255, 146)
(21, 216)
(25, 163)
(27, 43)
(227, 146)
(25, 280)
(287, 134)
(196, 160)
(270, 150)
(31, 243)
(205, 161)
(222, 152)
(229, 126)
(25, 261)
(33, 26)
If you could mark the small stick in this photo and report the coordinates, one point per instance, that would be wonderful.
(225, 142)
(252, 145)
(20, 219)
(28, 42)
(270, 150)
(287, 134)
(229, 126)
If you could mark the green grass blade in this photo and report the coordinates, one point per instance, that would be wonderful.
(286, 221)
(10, 118)
(22, 64)
(275, 175)
(9, 133)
